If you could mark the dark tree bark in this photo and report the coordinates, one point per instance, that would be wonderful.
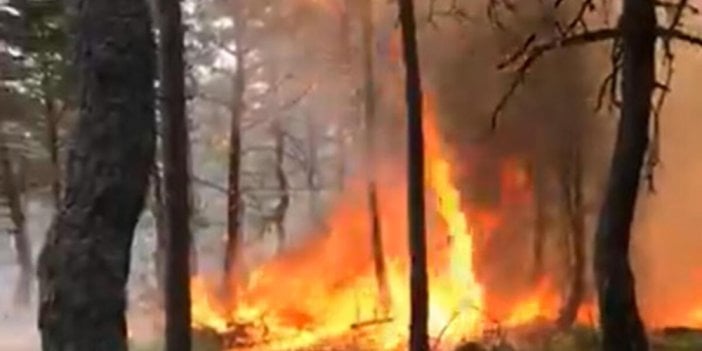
(174, 133)
(415, 185)
(84, 264)
(622, 328)
(237, 110)
(572, 195)
(12, 191)
(369, 91)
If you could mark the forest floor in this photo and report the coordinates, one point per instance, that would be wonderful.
(577, 339)
(18, 327)
(18, 330)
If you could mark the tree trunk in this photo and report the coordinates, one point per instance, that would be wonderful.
(159, 214)
(419, 295)
(84, 264)
(175, 164)
(539, 220)
(281, 209)
(52, 141)
(369, 113)
(237, 110)
(193, 202)
(13, 193)
(622, 328)
(312, 171)
(572, 194)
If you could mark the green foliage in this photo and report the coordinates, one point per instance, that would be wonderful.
(39, 37)
(37, 92)
(45, 49)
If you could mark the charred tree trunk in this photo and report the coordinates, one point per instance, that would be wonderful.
(622, 327)
(237, 110)
(419, 295)
(281, 209)
(572, 193)
(12, 191)
(84, 264)
(175, 165)
(369, 114)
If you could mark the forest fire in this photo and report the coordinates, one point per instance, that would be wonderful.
(326, 290)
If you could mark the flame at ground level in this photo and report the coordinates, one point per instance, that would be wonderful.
(327, 288)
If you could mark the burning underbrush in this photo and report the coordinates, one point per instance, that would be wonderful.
(326, 292)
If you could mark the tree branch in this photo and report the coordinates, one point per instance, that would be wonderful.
(530, 53)
(209, 184)
(671, 33)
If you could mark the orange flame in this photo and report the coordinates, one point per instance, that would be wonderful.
(327, 288)
(542, 303)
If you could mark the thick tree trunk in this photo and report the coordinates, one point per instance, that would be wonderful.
(12, 190)
(419, 295)
(175, 165)
(233, 192)
(84, 264)
(575, 213)
(376, 234)
(622, 328)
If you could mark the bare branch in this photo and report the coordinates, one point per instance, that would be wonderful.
(454, 10)
(668, 33)
(531, 52)
(212, 99)
(209, 184)
(606, 86)
(680, 8)
(297, 99)
(653, 157)
(610, 82)
(579, 18)
(675, 5)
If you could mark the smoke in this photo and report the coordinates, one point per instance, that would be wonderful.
(550, 115)
(459, 61)
(555, 105)
(667, 238)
